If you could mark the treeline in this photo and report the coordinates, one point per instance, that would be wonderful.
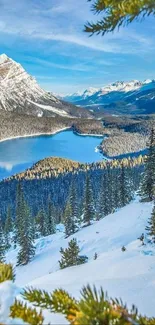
(54, 166)
(34, 208)
(105, 179)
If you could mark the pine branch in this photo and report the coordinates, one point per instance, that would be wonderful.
(39, 298)
(27, 314)
(6, 273)
(59, 301)
(118, 13)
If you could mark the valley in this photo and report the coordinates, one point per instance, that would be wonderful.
(132, 97)
(76, 193)
(37, 112)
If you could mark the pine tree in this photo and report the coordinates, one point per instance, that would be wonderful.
(147, 189)
(74, 202)
(8, 222)
(51, 227)
(8, 228)
(151, 226)
(106, 203)
(2, 244)
(125, 191)
(42, 221)
(70, 255)
(26, 238)
(100, 200)
(88, 210)
(20, 210)
(71, 216)
(70, 227)
(117, 190)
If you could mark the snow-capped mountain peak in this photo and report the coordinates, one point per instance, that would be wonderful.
(20, 92)
(135, 93)
(3, 58)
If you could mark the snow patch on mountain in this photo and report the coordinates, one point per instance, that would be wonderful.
(60, 112)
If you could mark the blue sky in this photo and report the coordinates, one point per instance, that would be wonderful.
(47, 38)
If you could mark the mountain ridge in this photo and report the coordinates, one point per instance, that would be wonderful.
(133, 97)
(20, 93)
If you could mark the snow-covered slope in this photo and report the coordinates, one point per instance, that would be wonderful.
(20, 92)
(129, 275)
(140, 95)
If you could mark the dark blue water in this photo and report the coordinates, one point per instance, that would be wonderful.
(18, 154)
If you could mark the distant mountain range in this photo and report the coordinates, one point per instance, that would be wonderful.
(134, 97)
(20, 93)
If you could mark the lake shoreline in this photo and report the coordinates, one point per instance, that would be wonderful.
(51, 133)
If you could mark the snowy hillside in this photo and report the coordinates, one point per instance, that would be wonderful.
(129, 275)
(19, 92)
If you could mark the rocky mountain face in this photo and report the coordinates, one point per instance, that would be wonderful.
(20, 93)
(132, 97)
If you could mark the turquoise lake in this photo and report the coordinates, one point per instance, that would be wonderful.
(18, 154)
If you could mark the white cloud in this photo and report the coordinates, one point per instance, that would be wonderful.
(63, 22)
(74, 67)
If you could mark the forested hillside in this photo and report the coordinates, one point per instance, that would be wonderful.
(80, 216)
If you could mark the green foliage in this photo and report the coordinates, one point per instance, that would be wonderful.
(20, 210)
(42, 222)
(19, 309)
(8, 228)
(27, 314)
(151, 226)
(54, 302)
(6, 273)
(70, 255)
(125, 187)
(8, 222)
(88, 210)
(147, 190)
(118, 13)
(93, 308)
(2, 244)
(71, 215)
(68, 220)
(51, 228)
(24, 233)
